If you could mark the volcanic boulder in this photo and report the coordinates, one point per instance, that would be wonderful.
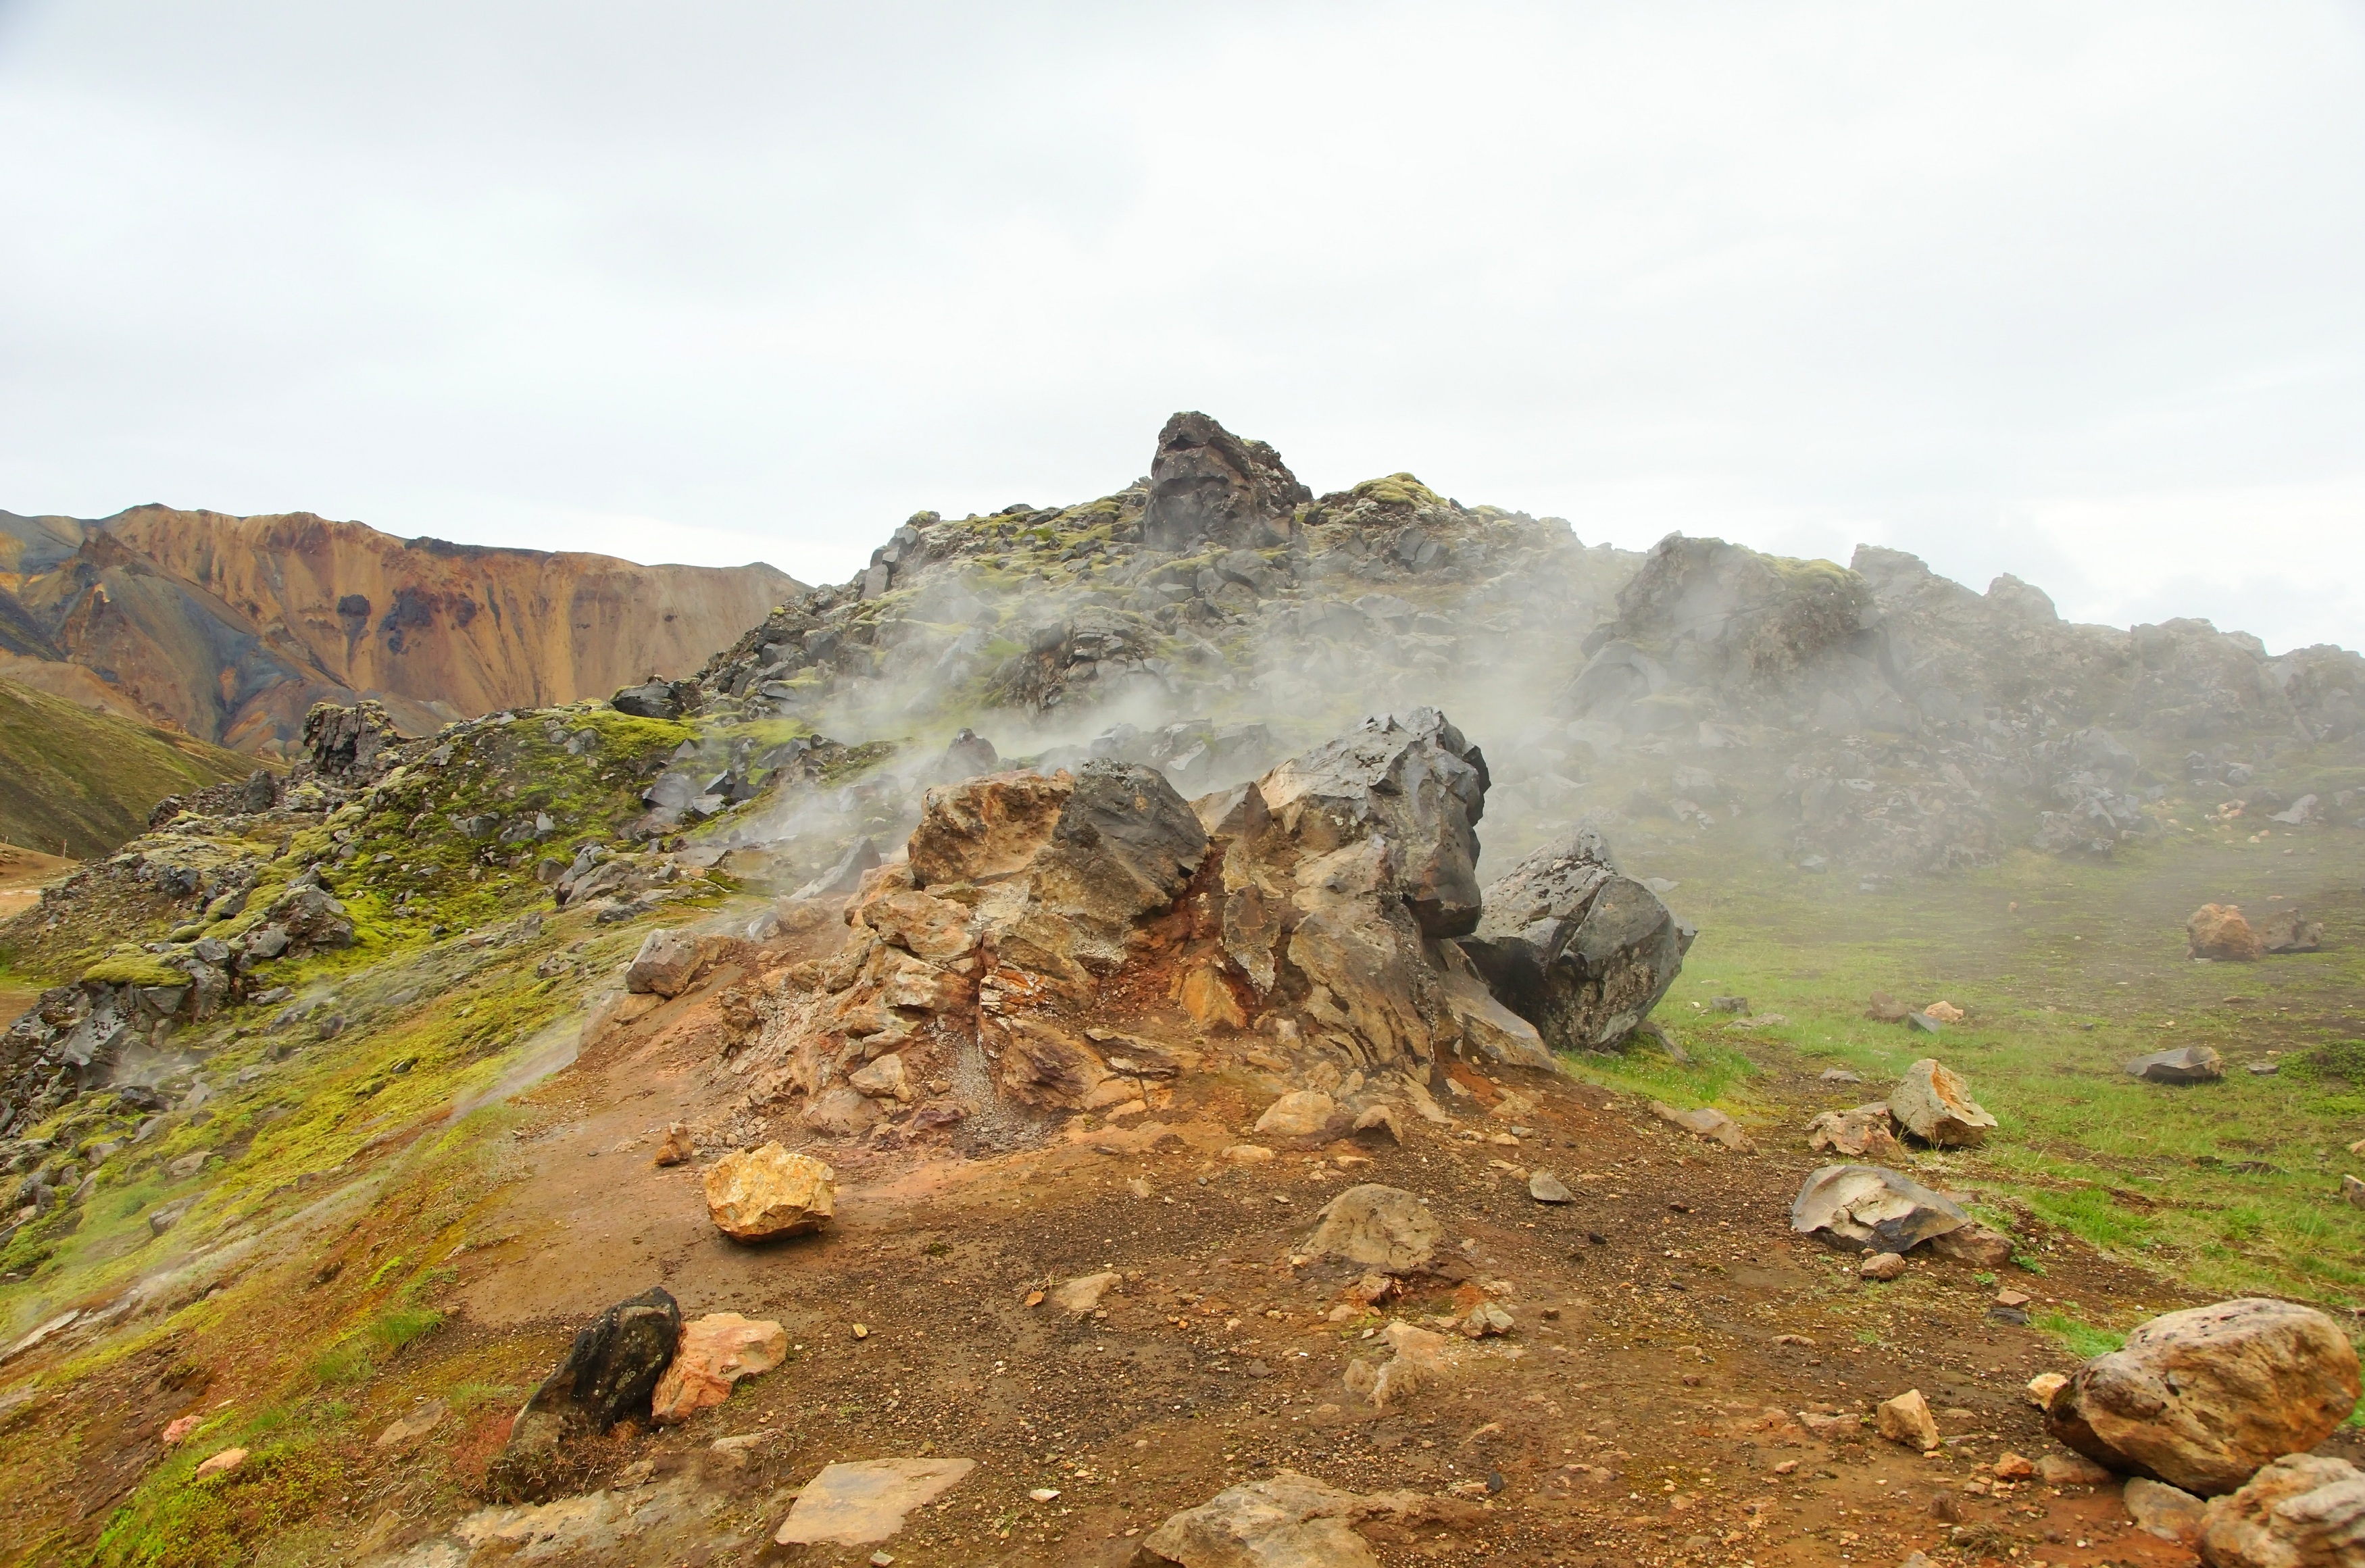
(608, 1375)
(2219, 931)
(1573, 948)
(2202, 1398)
(1209, 487)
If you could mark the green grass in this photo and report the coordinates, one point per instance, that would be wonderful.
(2069, 969)
(86, 781)
(2082, 1339)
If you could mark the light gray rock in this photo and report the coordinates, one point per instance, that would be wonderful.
(1382, 1228)
(665, 965)
(856, 1504)
(1287, 1520)
(2190, 1064)
(1871, 1208)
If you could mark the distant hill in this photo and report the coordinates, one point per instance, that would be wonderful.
(232, 627)
(85, 781)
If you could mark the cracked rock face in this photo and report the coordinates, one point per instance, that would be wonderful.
(1209, 487)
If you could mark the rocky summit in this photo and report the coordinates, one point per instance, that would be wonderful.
(1215, 1024)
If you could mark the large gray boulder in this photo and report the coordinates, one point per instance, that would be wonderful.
(2202, 1398)
(1578, 950)
(1209, 487)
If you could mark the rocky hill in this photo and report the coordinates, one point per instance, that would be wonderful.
(79, 783)
(1156, 1032)
(231, 628)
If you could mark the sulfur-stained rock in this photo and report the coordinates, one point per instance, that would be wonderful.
(1934, 1103)
(716, 1350)
(1378, 1227)
(757, 1194)
(2202, 1398)
(2219, 931)
(2302, 1511)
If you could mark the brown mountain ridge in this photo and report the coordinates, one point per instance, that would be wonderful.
(231, 628)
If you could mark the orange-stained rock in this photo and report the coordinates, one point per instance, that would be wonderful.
(716, 1352)
(1208, 1000)
(2218, 931)
(756, 1194)
(2202, 1398)
(983, 829)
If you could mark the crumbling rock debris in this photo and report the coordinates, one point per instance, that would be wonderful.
(1578, 950)
(1708, 1123)
(2301, 1511)
(1866, 1133)
(2202, 1398)
(1933, 1103)
(2219, 931)
(2188, 1064)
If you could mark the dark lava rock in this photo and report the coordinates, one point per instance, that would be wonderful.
(608, 1376)
(1207, 485)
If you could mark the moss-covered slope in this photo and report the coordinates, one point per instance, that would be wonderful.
(85, 780)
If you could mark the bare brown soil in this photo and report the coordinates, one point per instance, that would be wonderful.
(1669, 1329)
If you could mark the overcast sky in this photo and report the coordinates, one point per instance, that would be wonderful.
(2076, 292)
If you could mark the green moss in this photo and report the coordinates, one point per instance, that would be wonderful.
(86, 781)
(131, 966)
(1399, 489)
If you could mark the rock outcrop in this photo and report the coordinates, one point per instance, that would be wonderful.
(2202, 1398)
(1207, 487)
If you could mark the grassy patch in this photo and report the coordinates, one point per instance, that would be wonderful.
(2081, 1339)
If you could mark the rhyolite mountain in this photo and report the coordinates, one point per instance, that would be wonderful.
(231, 628)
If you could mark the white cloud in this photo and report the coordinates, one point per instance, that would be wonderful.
(2067, 291)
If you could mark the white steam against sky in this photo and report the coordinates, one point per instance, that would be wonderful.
(2065, 291)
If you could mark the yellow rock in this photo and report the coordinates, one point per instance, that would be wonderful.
(757, 1193)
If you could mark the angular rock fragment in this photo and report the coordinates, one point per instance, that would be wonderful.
(2163, 1510)
(1207, 487)
(2302, 1511)
(1871, 1208)
(1933, 1103)
(2190, 1064)
(716, 1350)
(757, 1194)
(665, 965)
(1708, 1123)
(1302, 1112)
(1573, 948)
(1882, 1266)
(1078, 1296)
(1546, 1188)
(1863, 1134)
(1906, 1420)
(2202, 1398)
(1286, 1520)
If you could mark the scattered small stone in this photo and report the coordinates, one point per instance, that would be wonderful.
(2071, 1470)
(2009, 1466)
(221, 1463)
(1045, 1494)
(1546, 1188)
(1246, 1154)
(1882, 1266)
(676, 1149)
(2044, 1386)
(1081, 1295)
(862, 1331)
(1486, 1319)
(1906, 1420)
(1841, 1075)
(174, 1431)
(2264, 1068)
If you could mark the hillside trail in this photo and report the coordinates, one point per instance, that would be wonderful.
(1670, 1335)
